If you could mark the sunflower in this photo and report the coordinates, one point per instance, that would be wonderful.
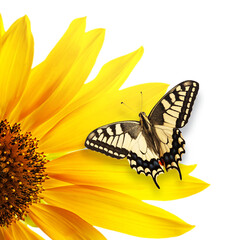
(46, 179)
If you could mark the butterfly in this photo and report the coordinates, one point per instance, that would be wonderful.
(155, 142)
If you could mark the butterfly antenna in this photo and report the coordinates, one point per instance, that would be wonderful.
(127, 106)
(141, 101)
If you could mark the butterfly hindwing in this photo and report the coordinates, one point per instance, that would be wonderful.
(171, 146)
(175, 107)
(143, 159)
(170, 159)
(114, 140)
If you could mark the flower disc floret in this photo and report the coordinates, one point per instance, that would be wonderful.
(22, 172)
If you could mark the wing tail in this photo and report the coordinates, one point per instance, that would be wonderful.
(148, 167)
(157, 185)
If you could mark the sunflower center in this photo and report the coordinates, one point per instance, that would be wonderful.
(22, 173)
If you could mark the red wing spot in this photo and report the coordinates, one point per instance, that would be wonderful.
(162, 162)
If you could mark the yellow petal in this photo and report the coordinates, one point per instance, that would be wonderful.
(52, 183)
(61, 224)
(171, 186)
(109, 79)
(90, 168)
(51, 156)
(2, 31)
(102, 111)
(20, 231)
(16, 58)
(48, 75)
(71, 83)
(116, 211)
(5, 234)
(29, 221)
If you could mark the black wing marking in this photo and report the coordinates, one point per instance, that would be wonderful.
(114, 140)
(175, 107)
(144, 160)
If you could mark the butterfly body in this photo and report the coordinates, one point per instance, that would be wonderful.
(148, 133)
(155, 142)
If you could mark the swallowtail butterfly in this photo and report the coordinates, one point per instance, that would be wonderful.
(155, 142)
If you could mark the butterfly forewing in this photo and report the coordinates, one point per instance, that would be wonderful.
(114, 140)
(175, 107)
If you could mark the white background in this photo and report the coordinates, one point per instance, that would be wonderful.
(204, 41)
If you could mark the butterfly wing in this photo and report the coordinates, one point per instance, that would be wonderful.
(169, 114)
(125, 139)
(114, 140)
(143, 159)
(171, 147)
(175, 107)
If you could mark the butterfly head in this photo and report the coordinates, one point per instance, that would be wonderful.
(145, 123)
(142, 115)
